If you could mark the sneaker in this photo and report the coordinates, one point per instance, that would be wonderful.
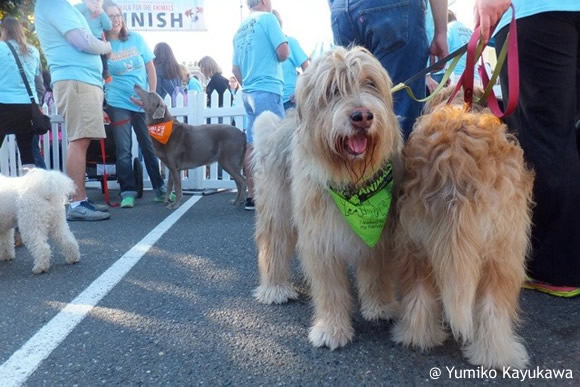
(98, 207)
(249, 204)
(558, 291)
(161, 198)
(128, 202)
(85, 211)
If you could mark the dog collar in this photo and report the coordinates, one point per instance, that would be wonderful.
(161, 131)
(366, 210)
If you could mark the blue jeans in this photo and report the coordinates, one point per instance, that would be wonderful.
(394, 31)
(257, 102)
(122, 120)
(38, 159)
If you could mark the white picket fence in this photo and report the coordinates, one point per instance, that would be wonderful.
(189, 108)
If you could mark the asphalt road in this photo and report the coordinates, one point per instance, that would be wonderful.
(183, 315)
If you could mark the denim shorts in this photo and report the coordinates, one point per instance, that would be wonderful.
(257, 102)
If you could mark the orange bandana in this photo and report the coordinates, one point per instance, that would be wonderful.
(161, 132)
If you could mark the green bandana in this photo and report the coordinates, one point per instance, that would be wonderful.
(366, 210)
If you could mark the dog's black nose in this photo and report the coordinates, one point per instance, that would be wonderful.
(361, 118)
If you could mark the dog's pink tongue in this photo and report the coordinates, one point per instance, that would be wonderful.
(357, 144)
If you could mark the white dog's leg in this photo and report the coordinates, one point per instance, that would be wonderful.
(276, 242)
(420, 325)
(495, 344)
(35, 238)
(376, 288)
(65, 239)
(332, 301)
(7, 245)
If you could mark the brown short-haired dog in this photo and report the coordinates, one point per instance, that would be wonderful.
(464, 216)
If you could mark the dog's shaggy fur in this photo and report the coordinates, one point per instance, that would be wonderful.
(35, 203)
(295, 161)
(464, 217)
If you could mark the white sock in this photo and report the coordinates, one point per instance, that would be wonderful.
(76, 203)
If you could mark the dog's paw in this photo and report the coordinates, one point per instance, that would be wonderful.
(6, 256)
(278, 294)
(510, 353)
(74, 258)
(40, 268)
(324, 335)
(422, 339)
(373, 311)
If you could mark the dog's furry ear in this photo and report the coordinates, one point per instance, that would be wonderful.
(160, 112)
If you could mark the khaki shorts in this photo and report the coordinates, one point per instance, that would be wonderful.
(81, 105)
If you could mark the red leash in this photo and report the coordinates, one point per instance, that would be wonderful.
(466, 79)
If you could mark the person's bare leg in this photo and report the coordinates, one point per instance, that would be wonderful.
(248, 170)
(76, 162)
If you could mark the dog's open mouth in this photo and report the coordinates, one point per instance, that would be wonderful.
(356, 144)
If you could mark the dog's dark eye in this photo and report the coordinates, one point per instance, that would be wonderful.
(332, 92)
(371, 84)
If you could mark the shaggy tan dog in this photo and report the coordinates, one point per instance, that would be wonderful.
(464, 215)
(35, 203)
(342, 135)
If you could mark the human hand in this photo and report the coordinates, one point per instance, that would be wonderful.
(438, 49)
(487, 14)
(431, 84)
(95, 6)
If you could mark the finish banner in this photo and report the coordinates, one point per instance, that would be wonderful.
(164, 15)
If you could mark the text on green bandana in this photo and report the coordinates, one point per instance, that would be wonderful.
(366, 210)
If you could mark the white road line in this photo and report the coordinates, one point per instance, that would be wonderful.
(26, 360)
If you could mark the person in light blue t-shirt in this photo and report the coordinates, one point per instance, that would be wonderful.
(549, 70)
(15, 105)
(72, 53)
(193, 84)
(458, 34)
(98, 22)
(297, 59)
(260, 47)
(131, 63)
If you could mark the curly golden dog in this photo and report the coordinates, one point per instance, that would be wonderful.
(341, 137)
(464, 216)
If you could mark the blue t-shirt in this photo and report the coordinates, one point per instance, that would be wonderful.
(296, 58)
(13, 89)
(194, 85)
(97, 24)
(127, 66)
(532, 7)
(458, 34)
(255, 46)
(53, 19)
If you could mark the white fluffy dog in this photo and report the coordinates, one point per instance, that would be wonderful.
(343, 137)
(35, 203)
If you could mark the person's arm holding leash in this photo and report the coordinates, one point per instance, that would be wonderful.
(487, 14)
(439, 48)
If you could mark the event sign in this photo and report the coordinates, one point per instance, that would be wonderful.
(164, 15)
